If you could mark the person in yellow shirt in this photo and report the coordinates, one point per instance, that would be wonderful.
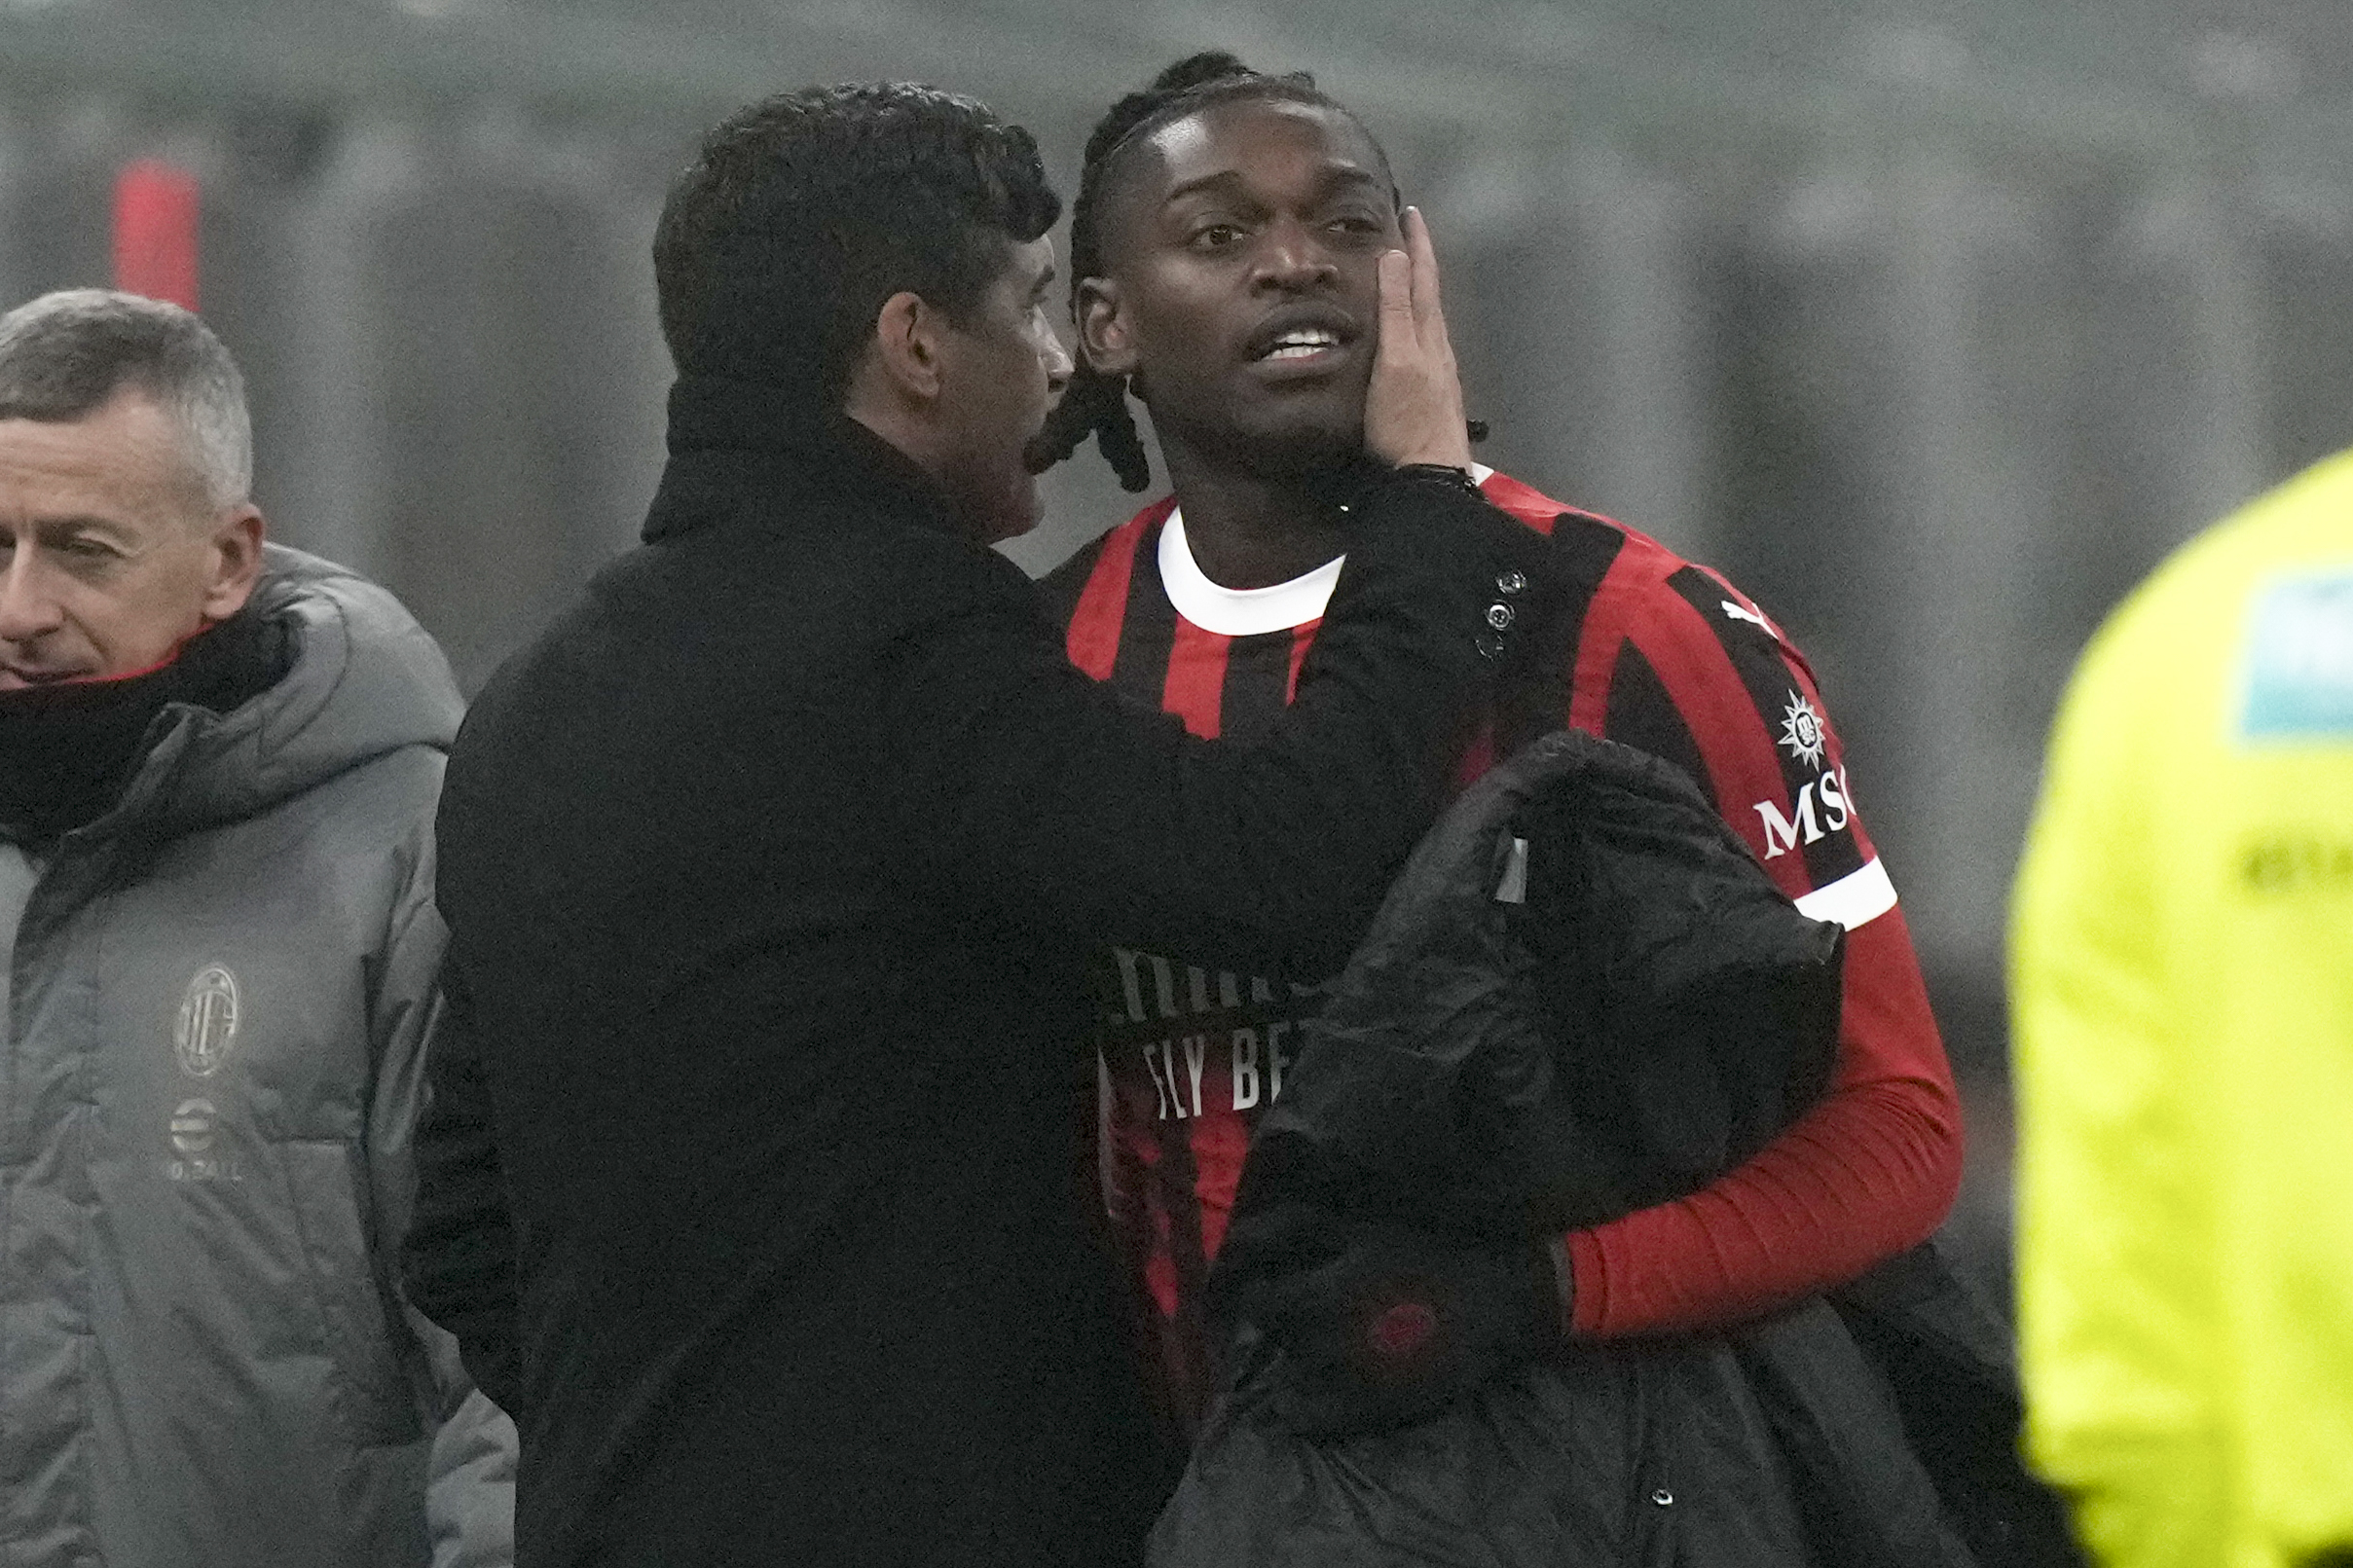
(2182, 963)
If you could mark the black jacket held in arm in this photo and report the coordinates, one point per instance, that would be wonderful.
(750, 1187)
(1582, 996)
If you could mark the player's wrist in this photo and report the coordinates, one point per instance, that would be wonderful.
(1457, 475)
(1446, 446)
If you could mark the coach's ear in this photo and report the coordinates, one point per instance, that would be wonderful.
(905, 363)
(1103, 327)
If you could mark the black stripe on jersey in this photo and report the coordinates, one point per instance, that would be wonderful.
(1148, 628)
(1258, 680)
(1764, 671)
(1061, 587)
(1642, 714)
(1583, 548)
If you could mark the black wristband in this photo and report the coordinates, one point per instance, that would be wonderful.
(1438, 473)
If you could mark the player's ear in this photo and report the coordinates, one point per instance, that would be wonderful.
(1103, 330)
(907, 351)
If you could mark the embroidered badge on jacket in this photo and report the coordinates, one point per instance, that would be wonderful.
(206, 1027)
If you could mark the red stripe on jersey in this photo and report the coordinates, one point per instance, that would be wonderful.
(1220, 1145)
(1159, 1271)
(1530, 505)
(1638, 571)
(1093, 638)
(1195, 688)
(1303, 637)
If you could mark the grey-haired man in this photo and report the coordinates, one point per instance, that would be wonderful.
(218, 764)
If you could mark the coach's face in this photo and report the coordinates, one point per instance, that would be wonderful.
(1002, 367)
(112, 554)
(1242, 289)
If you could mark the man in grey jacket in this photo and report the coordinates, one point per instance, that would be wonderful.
(218, 764)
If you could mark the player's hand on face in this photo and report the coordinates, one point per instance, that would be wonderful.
(1414, 405)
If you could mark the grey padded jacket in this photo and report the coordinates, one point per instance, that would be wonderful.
(216, 997)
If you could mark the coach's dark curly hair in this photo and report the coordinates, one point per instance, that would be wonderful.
(1094, 403)
(803, 213)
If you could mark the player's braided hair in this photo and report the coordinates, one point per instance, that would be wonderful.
(1095, 403)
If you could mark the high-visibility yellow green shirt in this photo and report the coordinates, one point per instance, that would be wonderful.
(2181, 963)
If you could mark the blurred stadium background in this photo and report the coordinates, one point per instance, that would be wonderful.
(1935, 326)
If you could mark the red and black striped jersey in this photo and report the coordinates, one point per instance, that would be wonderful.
(1652, 651)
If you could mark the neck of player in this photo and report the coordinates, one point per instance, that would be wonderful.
(1247, 530)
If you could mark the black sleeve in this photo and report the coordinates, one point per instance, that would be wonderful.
(1043, 797)
(457, 1260)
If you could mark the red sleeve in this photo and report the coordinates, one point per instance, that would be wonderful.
(1675, 658)
(1870, 1171)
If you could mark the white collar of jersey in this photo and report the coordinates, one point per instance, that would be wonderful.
(1247, 611)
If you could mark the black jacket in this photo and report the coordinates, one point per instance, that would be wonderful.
(768, 868)
(1503, 1059)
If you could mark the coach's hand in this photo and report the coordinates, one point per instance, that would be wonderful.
(1380, 1326)
(1414, 405)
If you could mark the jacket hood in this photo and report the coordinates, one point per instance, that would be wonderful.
(363, 679)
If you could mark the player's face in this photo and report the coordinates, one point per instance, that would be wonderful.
(111, 553)
(1241, 251)
(1005, 366)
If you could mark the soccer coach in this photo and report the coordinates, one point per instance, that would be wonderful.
(771, 866)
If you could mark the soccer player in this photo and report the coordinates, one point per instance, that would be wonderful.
(1223, 253)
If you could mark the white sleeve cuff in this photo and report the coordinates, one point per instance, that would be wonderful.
(1855, 899)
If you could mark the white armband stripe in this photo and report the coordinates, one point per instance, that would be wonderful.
(1855, 899)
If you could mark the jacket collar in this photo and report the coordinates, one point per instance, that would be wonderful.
(68, 751)
(737, 445)
(345, 675)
